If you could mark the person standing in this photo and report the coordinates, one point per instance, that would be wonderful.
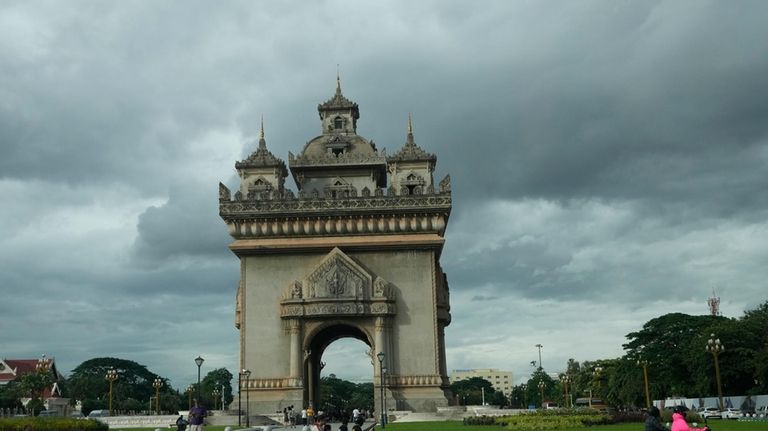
(197, 416)
(304, 416)
(310, 414)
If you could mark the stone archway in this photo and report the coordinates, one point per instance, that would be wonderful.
(314, 262)
(316, 343)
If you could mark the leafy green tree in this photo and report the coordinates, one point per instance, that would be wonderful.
(87, 383)
(672, 345)
(470, 392)
(339, 397)
(219, 379)
(10, 395)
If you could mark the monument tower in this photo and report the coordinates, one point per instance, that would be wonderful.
(354, 252)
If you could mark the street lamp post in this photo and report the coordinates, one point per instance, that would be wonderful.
(111, 377)
(524, 388)
(247, 374)
(384, 386)
(541, 392)
(157, 384)
(239, 397)
(565, 379)
(199, 361)
(596, 373)
(215, 394)
(644, 363)
(539, 347)
(381, 357)
(190, 389)
(715, 347)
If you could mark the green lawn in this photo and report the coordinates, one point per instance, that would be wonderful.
(716, 425)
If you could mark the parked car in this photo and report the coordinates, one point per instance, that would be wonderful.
(98, 413)
(76, 415)
(710, 413)
(731, 413)
(48, 414)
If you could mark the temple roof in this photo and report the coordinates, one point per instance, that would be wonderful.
(262, 157)
(410, 151)
(339, 102)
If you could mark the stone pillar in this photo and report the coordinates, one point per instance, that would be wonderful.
(294, 327)
(310, 381)
(381, 343)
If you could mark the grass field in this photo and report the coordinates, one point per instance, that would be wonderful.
(716, 425)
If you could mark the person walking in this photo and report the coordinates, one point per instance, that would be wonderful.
(653, 421)
(197, 416)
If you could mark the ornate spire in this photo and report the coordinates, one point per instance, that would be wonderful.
(338, 81)
(411, 151)
(262, 141)
(262, 156)
(409, 138)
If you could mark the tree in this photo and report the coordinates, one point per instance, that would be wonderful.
(219, 379)
(10, 395)
(672, 345)
(87, 383)
(338, 397)
(470, 392)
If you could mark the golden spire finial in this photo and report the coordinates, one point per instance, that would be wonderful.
(410, 124)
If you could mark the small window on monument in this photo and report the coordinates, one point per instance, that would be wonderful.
(337, 151)
(338, 123)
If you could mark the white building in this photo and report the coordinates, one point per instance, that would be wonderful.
(500, 380)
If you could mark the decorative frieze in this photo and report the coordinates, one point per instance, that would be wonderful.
(271, 383)
(345, 158)
(392, 380)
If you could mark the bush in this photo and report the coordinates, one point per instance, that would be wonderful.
(624, 417)
(480, 420)
(554, 419)
(51, 424)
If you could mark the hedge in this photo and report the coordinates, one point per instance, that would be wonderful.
(51, 424)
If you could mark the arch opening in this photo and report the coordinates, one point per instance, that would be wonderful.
(317, 344)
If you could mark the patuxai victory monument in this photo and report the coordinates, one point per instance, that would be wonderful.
(354, 251)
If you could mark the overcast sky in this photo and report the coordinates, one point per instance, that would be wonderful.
(608, 161)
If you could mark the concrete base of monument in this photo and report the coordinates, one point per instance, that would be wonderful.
(417, 399)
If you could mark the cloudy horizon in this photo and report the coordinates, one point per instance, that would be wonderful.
(607, 162)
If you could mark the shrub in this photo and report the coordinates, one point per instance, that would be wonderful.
(624, 417)
(480, 420)
(51, 424)
(554, 419)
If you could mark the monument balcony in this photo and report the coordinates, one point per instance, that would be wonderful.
(283, 214)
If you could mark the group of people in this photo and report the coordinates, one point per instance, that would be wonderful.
(653, 421)
(311, 421)
(196, 420)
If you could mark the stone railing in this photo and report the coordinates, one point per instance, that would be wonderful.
(377, 158)
(271, 383)
(415, 380)
(250, 227)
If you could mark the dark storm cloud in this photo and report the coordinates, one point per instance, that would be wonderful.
(187, 225)
(603, 154)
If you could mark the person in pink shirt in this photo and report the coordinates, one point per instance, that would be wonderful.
(679, 423)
